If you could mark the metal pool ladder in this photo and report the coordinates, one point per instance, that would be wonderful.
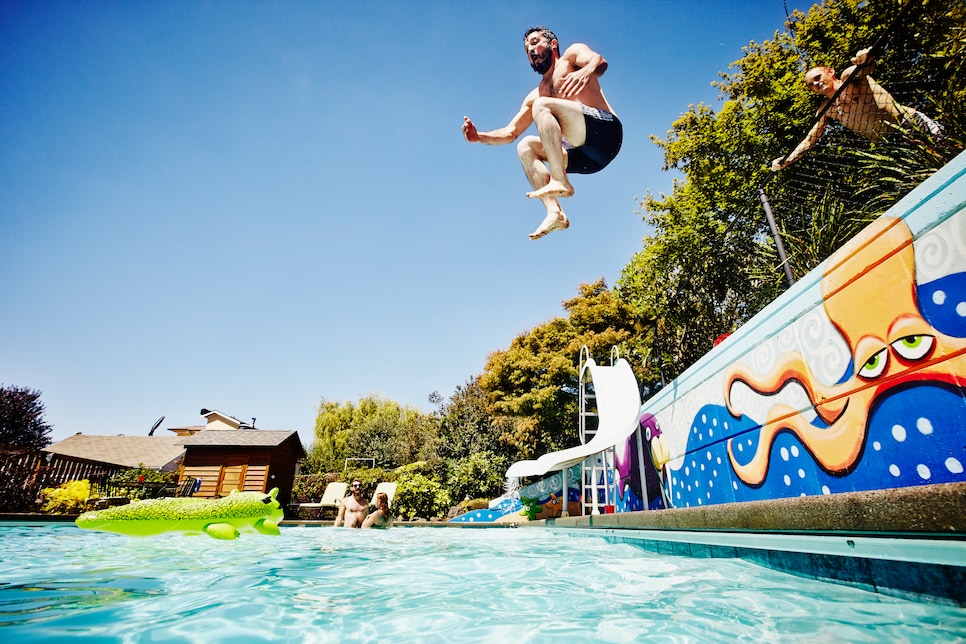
(597, 470)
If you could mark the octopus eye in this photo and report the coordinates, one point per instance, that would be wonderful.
(914, 347)
(875, 365)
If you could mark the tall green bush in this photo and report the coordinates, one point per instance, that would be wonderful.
(479, 475)
(309, 488)
(419, 497)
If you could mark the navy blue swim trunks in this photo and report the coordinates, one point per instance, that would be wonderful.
(604, 137)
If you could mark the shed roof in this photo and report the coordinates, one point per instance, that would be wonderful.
(127, 451)
(241, 438)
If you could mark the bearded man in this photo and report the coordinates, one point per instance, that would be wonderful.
(577, 130)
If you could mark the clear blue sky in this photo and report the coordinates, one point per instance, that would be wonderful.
(249, 206)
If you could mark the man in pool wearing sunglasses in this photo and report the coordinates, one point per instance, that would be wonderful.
(354, 509)
(864, 107)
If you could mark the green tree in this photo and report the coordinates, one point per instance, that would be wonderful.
(333, 424)
(374, 428)
(466, 424)
(391, 433)
(420, 497)
(481, 475)
(22, 422)
(375, 425)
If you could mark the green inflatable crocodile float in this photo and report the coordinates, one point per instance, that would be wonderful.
(223, 518)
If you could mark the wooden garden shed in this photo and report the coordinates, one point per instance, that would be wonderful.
(225, 457)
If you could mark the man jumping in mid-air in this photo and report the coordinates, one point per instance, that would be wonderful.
(578, 131)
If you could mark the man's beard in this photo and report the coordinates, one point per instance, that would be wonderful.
(543, 64)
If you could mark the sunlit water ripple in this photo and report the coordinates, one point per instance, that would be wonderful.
(411, 584)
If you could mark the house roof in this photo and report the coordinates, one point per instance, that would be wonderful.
(241, 438)
(216, 418)
(127, 451)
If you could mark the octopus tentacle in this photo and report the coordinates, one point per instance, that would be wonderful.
(827, 401)
(835, 448)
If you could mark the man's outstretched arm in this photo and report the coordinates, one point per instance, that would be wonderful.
(507, 134)
(807, 144)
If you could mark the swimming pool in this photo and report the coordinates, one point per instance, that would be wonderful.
(421, 584)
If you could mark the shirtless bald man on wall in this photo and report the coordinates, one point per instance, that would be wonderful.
(864, 107)
(577, 129)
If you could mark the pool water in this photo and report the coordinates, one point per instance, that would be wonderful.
(421, 584)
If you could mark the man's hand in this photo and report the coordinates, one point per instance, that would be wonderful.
(469, 131)
(776, 165)
(861, 57)
(573, 83)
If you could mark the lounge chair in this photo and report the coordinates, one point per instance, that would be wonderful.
(332, 498)
(185, 488)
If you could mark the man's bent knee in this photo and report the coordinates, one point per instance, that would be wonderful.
(569, 116)
(540, 104)
(557, 106)
(529, 147)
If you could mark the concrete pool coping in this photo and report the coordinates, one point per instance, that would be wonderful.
(933, 510)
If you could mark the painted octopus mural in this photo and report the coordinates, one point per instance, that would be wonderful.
(876, 311)
(892, 414)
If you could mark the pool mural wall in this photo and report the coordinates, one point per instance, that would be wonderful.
(854, 379)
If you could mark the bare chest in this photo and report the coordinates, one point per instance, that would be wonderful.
(846, 103)
(551, 87)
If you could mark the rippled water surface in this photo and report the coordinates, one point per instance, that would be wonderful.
(422, 584)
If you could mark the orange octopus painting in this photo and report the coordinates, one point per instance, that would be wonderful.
(869, 294)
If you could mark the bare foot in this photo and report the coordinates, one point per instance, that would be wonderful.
(552, 189)
(553, 221)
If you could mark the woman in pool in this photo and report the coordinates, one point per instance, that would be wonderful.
(381, 518)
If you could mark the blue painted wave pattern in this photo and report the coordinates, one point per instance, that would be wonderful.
(478, 516)
(942, 303)
(505, 507)
(914, 437)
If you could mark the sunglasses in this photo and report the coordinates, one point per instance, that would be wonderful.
(813, 80)
(355, 485)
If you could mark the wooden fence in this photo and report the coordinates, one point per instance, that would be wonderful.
(23, 474)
